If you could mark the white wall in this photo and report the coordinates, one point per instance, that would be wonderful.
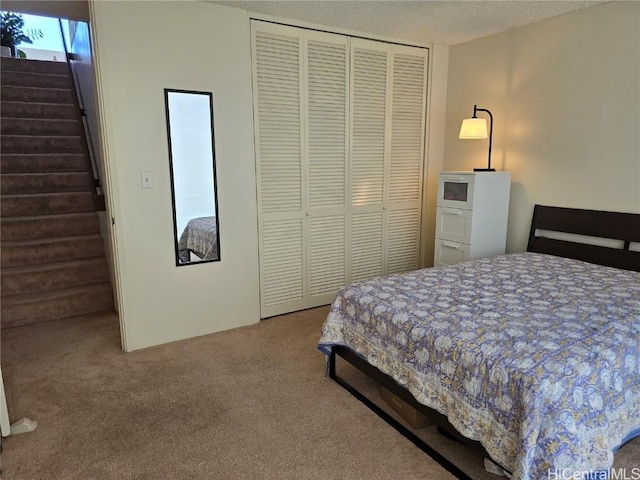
(436, 114)
(40, 54)
(565, 95)
(138, 54)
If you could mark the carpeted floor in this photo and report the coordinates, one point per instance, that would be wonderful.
(250, 403)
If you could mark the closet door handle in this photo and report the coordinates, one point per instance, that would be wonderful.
(451, 245)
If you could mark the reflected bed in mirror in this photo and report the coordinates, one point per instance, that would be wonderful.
(193, 176)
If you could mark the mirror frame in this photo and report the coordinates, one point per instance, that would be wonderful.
(167, 91)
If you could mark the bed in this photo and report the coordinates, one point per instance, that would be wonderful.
(532, 358)
(200, 237)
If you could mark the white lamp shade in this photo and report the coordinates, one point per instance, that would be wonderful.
(473, 128)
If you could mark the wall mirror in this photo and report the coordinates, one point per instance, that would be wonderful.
(193, 176)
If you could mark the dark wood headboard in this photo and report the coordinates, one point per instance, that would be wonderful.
(624, 227)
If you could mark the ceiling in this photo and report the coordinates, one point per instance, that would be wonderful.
(447, 22)
(427, 21)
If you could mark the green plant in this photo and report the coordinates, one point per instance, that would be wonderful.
(12, 32)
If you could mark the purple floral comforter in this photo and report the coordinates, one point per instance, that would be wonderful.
(535, 356)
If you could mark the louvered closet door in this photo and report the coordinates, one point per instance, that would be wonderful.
(277, 83)
(406, 153)
(369, 77)
(339, 143)
(327, 58)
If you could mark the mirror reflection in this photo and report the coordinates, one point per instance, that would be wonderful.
(193, 177)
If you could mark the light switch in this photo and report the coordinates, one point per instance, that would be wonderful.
(147, 179)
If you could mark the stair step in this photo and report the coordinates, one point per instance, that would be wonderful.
(43, 162)
(35, 79)
(50, 250)
(38, 110)
(53, 276)
(35, 94)
(39, 66)
(38, 126)
(30, 308)
(28, 144)
(46, 204)
(49, 226)
(25, 183)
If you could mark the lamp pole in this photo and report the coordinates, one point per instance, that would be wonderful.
(475, 115)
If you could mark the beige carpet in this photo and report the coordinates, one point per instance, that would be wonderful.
(250, 403)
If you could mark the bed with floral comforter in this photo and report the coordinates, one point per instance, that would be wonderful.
(535, 356)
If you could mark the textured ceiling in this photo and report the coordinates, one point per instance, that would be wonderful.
(428, 21)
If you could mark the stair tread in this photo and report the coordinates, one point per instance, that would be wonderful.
(44, 241)
(18, 64)
(48, 194)
(39, 73)
(22, 119)
(39, 88)
(4, 101)
(15, 270)
(55, 154)
(21, 298)
(41, 174)
(36, 218)
(41, 136)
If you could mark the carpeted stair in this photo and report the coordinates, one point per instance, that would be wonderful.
(52, 254)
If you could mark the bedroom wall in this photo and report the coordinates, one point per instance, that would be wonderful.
(565, 95)
(436, 114)
(138, 54)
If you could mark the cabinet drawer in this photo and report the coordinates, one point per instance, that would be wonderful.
(455, 190)
(454, 224)
(448, 252)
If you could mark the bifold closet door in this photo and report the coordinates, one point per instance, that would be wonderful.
(388, 92)
(403, 197)
(301, 101)
(339, 126)
(327, 149)
(277, 83)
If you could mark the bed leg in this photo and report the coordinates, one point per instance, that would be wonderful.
(331, 364)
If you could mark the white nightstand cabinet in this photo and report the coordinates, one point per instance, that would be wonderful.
(472, 216)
